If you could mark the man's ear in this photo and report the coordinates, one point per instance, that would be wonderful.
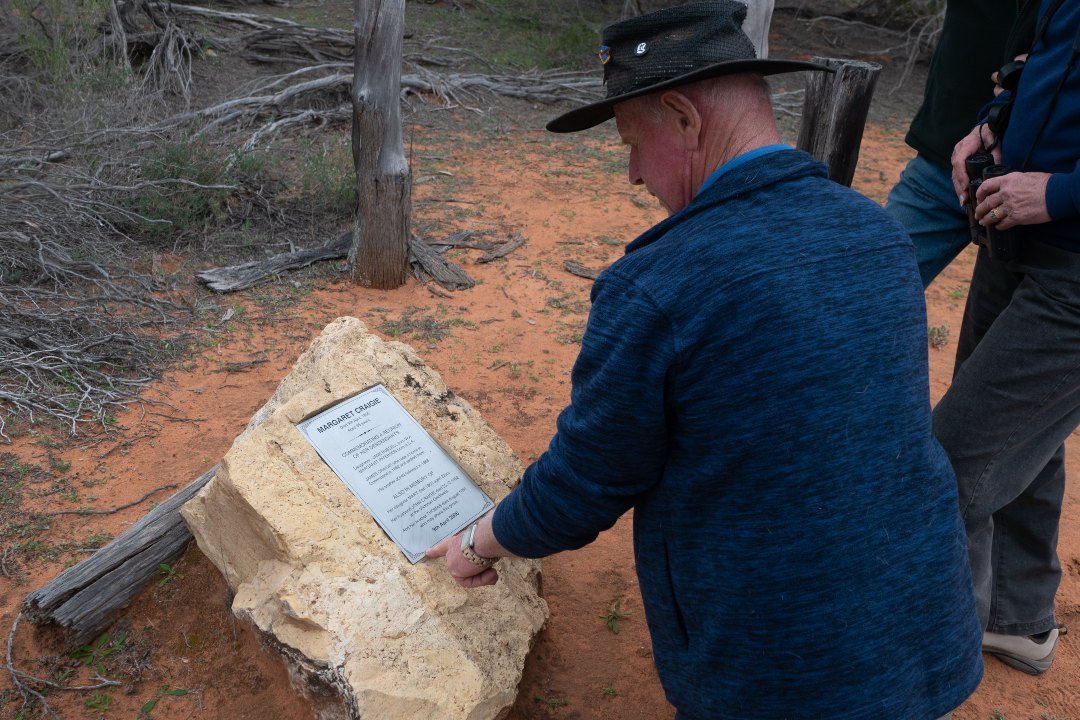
(683, 117)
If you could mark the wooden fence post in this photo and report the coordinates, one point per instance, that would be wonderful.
(834, 114)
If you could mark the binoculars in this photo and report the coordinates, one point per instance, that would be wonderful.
(1002, 245)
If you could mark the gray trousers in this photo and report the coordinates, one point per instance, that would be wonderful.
(1014, 399)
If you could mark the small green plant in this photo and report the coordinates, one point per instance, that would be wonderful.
(97, 539)
(328, 177)
(186, 190)
(10, 490)
(99, 701)
(421, 327)
(997, 715)
(168, 574)
(551, 702)
(57, 33)
(609, 690)
(98, 651)
(162, 692)
(58, 463)
(570, 333)
(46, 441)
(938, 336)
(613, 615)
(958, 293)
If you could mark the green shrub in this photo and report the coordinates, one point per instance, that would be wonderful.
(187, 187)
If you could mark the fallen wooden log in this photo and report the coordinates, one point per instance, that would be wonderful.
(245, 275)
(503, 250)
(84, 597)
(575, 268)
(426, 261)
(461, 239)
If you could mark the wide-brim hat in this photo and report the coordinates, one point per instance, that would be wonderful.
(679, 45)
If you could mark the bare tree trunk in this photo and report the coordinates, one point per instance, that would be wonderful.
(380, 251)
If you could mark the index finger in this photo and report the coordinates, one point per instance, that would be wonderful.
(439, 550)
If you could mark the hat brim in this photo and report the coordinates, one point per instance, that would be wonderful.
(595, 113)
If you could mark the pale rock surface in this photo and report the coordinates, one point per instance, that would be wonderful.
(312, 569)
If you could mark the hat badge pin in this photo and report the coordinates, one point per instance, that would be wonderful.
(641, 49)
(604, 54)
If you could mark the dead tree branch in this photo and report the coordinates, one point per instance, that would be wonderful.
(427, 264)
(502, 250)
(575, 268)
(29, 695)
(111, 511)
(914, 42)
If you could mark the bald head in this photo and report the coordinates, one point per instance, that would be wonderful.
(745, 95)
(678, 137)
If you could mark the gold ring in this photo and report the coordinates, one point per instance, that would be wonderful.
(996, 215)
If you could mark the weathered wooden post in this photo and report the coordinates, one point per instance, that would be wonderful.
(380, 250)
(834, 114)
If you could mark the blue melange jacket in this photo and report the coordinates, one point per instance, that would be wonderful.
(1044, 128)
(753, 382)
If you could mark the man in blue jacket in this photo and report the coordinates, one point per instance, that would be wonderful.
(1015, 395)
(753, 383)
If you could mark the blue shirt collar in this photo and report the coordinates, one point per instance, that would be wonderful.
(740, 160)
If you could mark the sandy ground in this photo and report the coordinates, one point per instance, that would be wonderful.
(511, 343)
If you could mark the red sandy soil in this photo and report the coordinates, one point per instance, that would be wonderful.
(511, 359)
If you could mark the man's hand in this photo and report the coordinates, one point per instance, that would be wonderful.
(465, 573)
(1018, 198)
(980, 138)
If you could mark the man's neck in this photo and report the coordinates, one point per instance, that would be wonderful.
(730, 145)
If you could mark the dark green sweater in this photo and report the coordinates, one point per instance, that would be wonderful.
(971, 47)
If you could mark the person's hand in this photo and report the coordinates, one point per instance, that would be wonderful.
(1018, 198)
(980, 138)
(465, 573)
(998, 89)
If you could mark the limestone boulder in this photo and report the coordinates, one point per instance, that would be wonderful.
(313, 571)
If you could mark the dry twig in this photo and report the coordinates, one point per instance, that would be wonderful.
(133, 503)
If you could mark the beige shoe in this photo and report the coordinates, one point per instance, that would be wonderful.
(1021, 652)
